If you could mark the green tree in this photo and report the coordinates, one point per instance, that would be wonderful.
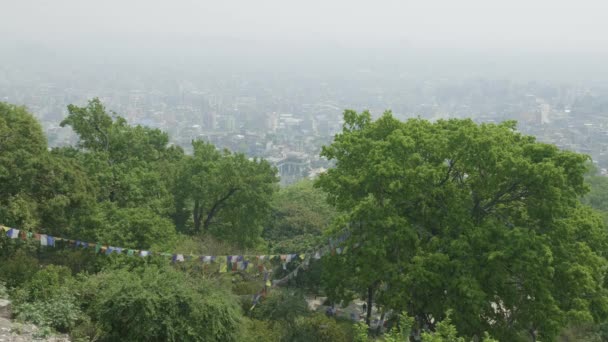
(224, 193)
(139, 228)
(475, 218)
(300, 216)
(130, 165)
(597, 198)
(21, 144)
(39, 188)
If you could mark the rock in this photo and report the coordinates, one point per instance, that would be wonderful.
(5, 308)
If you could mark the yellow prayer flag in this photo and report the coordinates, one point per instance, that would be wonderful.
(223, 267)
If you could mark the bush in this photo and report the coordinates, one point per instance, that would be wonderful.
(47, 299)
(320, 328)
(46, 284)
(160, 304)
(60, 312)
(262, 331)
(281, 305)
(18, 269)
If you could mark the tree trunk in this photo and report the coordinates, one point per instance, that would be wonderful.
(368, 315)
(532, 332)
(216, 208)
(196, 216)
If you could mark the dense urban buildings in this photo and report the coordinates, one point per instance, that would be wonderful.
(287, 120)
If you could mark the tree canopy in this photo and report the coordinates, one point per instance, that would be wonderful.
(464, 228)
(476, 218)
(224, 193)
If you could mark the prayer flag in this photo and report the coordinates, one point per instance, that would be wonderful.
(13, 233)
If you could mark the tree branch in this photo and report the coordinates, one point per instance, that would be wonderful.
(217, 206)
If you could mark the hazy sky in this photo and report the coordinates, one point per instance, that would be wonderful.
(525, 23)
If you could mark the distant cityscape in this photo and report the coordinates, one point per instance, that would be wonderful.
(287, 121)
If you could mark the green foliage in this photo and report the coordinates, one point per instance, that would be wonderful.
(281, 305)
(597, 198)
(584, 332)
(445, 331)
(360, 332)
(160, 304)
(60, 312)
(47, 283)
(258, 330)
(453, 214)
(18, 268)
(318, 327)
(402, 331)
(139, 228)
(224, 194)
(47, 299)
(23, 168)
(300, 215)
(129, 165)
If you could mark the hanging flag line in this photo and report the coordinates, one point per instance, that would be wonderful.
(231, 262)
(331, 247)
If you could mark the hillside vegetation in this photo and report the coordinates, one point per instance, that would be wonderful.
(446, 231)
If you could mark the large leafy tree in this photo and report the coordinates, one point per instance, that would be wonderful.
(131, 165)
(475, 218)
(38, 188)
(21, 145)
(223, 193)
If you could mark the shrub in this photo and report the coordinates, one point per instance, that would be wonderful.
(18, 269)
(319, 327)
(60, 312)
(160, 304)
(49, 282)
(47, 299)
(262, 331)
(281, 305)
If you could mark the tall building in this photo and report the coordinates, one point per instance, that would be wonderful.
(209, 120)
(272, 122)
